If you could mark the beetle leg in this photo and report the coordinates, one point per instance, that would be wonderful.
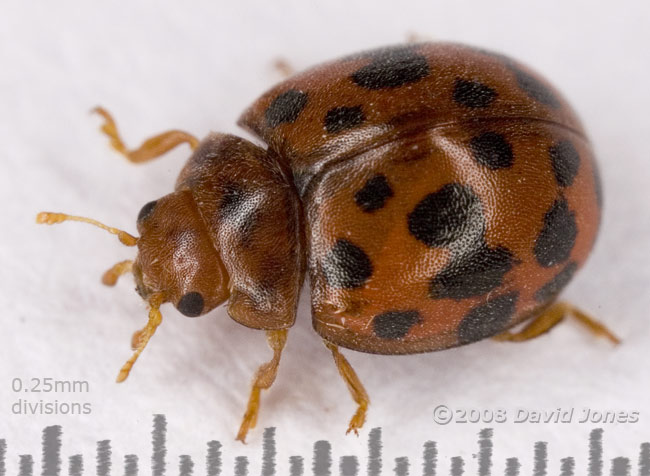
(355, 386)
(283, 67)
(150, 148)
(110, 277)
(551, 317)
(141, 337)
(263, 379)
(413, 37)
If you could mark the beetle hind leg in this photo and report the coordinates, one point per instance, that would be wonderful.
(263, 379)
(551, 317)
(355, 386)
(150, 148)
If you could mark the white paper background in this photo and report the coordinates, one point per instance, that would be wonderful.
(196, 66)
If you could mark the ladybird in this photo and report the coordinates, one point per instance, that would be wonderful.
(437, 195)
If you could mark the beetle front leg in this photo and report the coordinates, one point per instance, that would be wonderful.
(264, 378)
(355, 386)
(141, 338)
(150, 148)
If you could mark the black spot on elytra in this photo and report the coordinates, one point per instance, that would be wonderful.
(394, 324)
(487, 319)
(565, 161)
(346, 265)
(473, 93)
(528, 83)
(473, 274)
(286, 107)
(191, 304)
(443, 217)
(492, 150)
(555, 285)
(535, 88)
(391, 68)
(342, 118)
(146, 210)
(558, 236)
(374, 194)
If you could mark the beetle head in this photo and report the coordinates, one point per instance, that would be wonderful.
(177, 257)
(177, 260)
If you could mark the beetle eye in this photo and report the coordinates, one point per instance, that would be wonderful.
(146, 210)
(191, 304)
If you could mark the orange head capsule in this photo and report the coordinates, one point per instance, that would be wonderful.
(177, 258)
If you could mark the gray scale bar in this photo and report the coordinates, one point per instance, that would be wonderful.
(429, 458)
(374, 452)
(512, 467)
(457, 466)
(322, 458)
(268, 452)
(26, 465)
(158, 448)
(567, 466)
(51, 460)
(596, 452)
(241, 466)
(402, 466)
(485, 452)
(296, 466)
(213, 459)
(620, 467)
(130, 465)
(3, 455)
(322, 464)
(644, 460)
(185, 465)
(541, 459)
(75, 465)
(104, 458)
(349, 466)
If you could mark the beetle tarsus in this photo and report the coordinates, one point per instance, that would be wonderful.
(550, 318)
(155, 318)
(355, 386)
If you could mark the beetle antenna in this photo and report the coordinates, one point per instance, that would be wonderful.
(141, 337)
(50, 218)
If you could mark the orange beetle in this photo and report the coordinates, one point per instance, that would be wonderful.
(438, 195)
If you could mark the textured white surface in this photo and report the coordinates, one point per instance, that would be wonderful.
(159, 65)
